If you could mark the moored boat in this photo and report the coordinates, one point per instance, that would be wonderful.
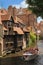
(30, 54)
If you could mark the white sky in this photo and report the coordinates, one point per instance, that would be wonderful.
(22, 4)
(39, 19)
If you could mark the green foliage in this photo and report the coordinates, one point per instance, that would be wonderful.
(32, 36)
(30, 43)
(36, 6)
(32, 39)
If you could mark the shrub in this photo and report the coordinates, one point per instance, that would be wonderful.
(32, 36)
(32, 39)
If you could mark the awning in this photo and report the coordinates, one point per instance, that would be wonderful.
(18, 30)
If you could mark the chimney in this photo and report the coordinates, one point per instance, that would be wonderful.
(14, 11)
(10, 10)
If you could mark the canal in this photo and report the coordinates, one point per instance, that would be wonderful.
(18, 61)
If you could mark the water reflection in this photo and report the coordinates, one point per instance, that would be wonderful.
(18, 61)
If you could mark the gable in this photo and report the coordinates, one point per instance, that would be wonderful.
(11, 19)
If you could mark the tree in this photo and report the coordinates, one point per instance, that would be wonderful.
(32, 41)
(36, 6)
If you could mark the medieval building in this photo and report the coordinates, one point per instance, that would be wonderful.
(15, 26)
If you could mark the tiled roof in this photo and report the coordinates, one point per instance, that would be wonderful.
(0, 20)
(18, 30)
(25, 30)
(18, 20)
(23, 11)
(3, 11)
(5, 17)
(29, 28)
(15, 20)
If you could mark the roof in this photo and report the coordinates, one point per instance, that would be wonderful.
(18, 20)
(3, 11)
(18, 30)
(23, 11)
(25, 30)
(4, 14)
(0, 20)
(15, 21)
(29, 28)
(5, 17)
(4, 28)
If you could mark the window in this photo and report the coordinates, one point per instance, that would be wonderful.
(9, 29)
(7, 45)
(20, 37)
(5, 32)
(9, 24)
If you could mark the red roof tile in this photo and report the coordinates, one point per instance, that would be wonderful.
(18, 30)
(5, 17)
(25, 30)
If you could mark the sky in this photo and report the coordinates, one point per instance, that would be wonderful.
(17, 4)
(39, 19)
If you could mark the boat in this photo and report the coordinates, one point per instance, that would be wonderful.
(30, 54)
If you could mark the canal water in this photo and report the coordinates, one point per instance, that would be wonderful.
(18, 61)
